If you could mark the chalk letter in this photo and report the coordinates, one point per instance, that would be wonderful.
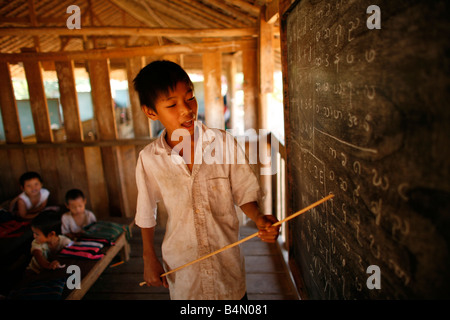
(374, 281)
(374, 21)
(73, 281)
(74, 21)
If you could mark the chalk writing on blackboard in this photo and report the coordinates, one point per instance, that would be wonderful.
(365, 121)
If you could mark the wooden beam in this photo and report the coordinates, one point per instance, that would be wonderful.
(69, 100)
(8, 105)
(272, 12)
(92, 54)
(212, 71)
(133, 31)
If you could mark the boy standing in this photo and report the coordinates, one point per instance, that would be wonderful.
(199, 196)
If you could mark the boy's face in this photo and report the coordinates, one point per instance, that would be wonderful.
(32, 187)
(76, 206)
(40, 236)
(177, 110)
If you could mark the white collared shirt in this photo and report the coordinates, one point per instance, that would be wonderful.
(201, 214)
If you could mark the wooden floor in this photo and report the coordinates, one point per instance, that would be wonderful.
(267, 274)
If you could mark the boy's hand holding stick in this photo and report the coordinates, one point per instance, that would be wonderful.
(315, 204)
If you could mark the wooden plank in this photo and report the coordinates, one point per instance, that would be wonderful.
(8, 105)
(141, 124)
(63, 166)
(127, 164)
(79, 174)
(97, 194)
(32, 160)
(69, 100)
(7, 183)
(19, 167)
(112, 178)
(38, 101)
(102, 99)
(212, 71)
(49, 174)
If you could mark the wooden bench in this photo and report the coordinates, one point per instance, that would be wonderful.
(91, 270)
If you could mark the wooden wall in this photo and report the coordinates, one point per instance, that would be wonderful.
(104, 168)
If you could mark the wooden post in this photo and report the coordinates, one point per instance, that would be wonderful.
(231, 93)
(265, 67)
(106, 130)
(212, 70)
(101, 98)
(69, 100)
(265, 87)
(249, 67)
(10, 114)
(71, 161)
(38, 101)
(141, 124)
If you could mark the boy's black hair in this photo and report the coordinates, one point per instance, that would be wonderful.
(47, 221)
(156, 79)
(73, 194)
(28, 176)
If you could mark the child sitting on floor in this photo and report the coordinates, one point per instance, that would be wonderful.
(73, 222)
(47, 241)
(32, 200)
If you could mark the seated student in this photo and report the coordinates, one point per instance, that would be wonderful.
(72, 222)
(47, 240)
(32, 200)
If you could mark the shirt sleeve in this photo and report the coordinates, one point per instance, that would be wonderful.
(148, 196)
(244, 182)
(90, 217)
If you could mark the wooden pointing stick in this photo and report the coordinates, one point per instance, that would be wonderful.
(292, 216)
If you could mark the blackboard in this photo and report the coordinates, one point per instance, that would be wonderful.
(368, 119)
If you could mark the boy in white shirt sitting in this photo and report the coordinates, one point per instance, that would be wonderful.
(78, 217)
(32, 200)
